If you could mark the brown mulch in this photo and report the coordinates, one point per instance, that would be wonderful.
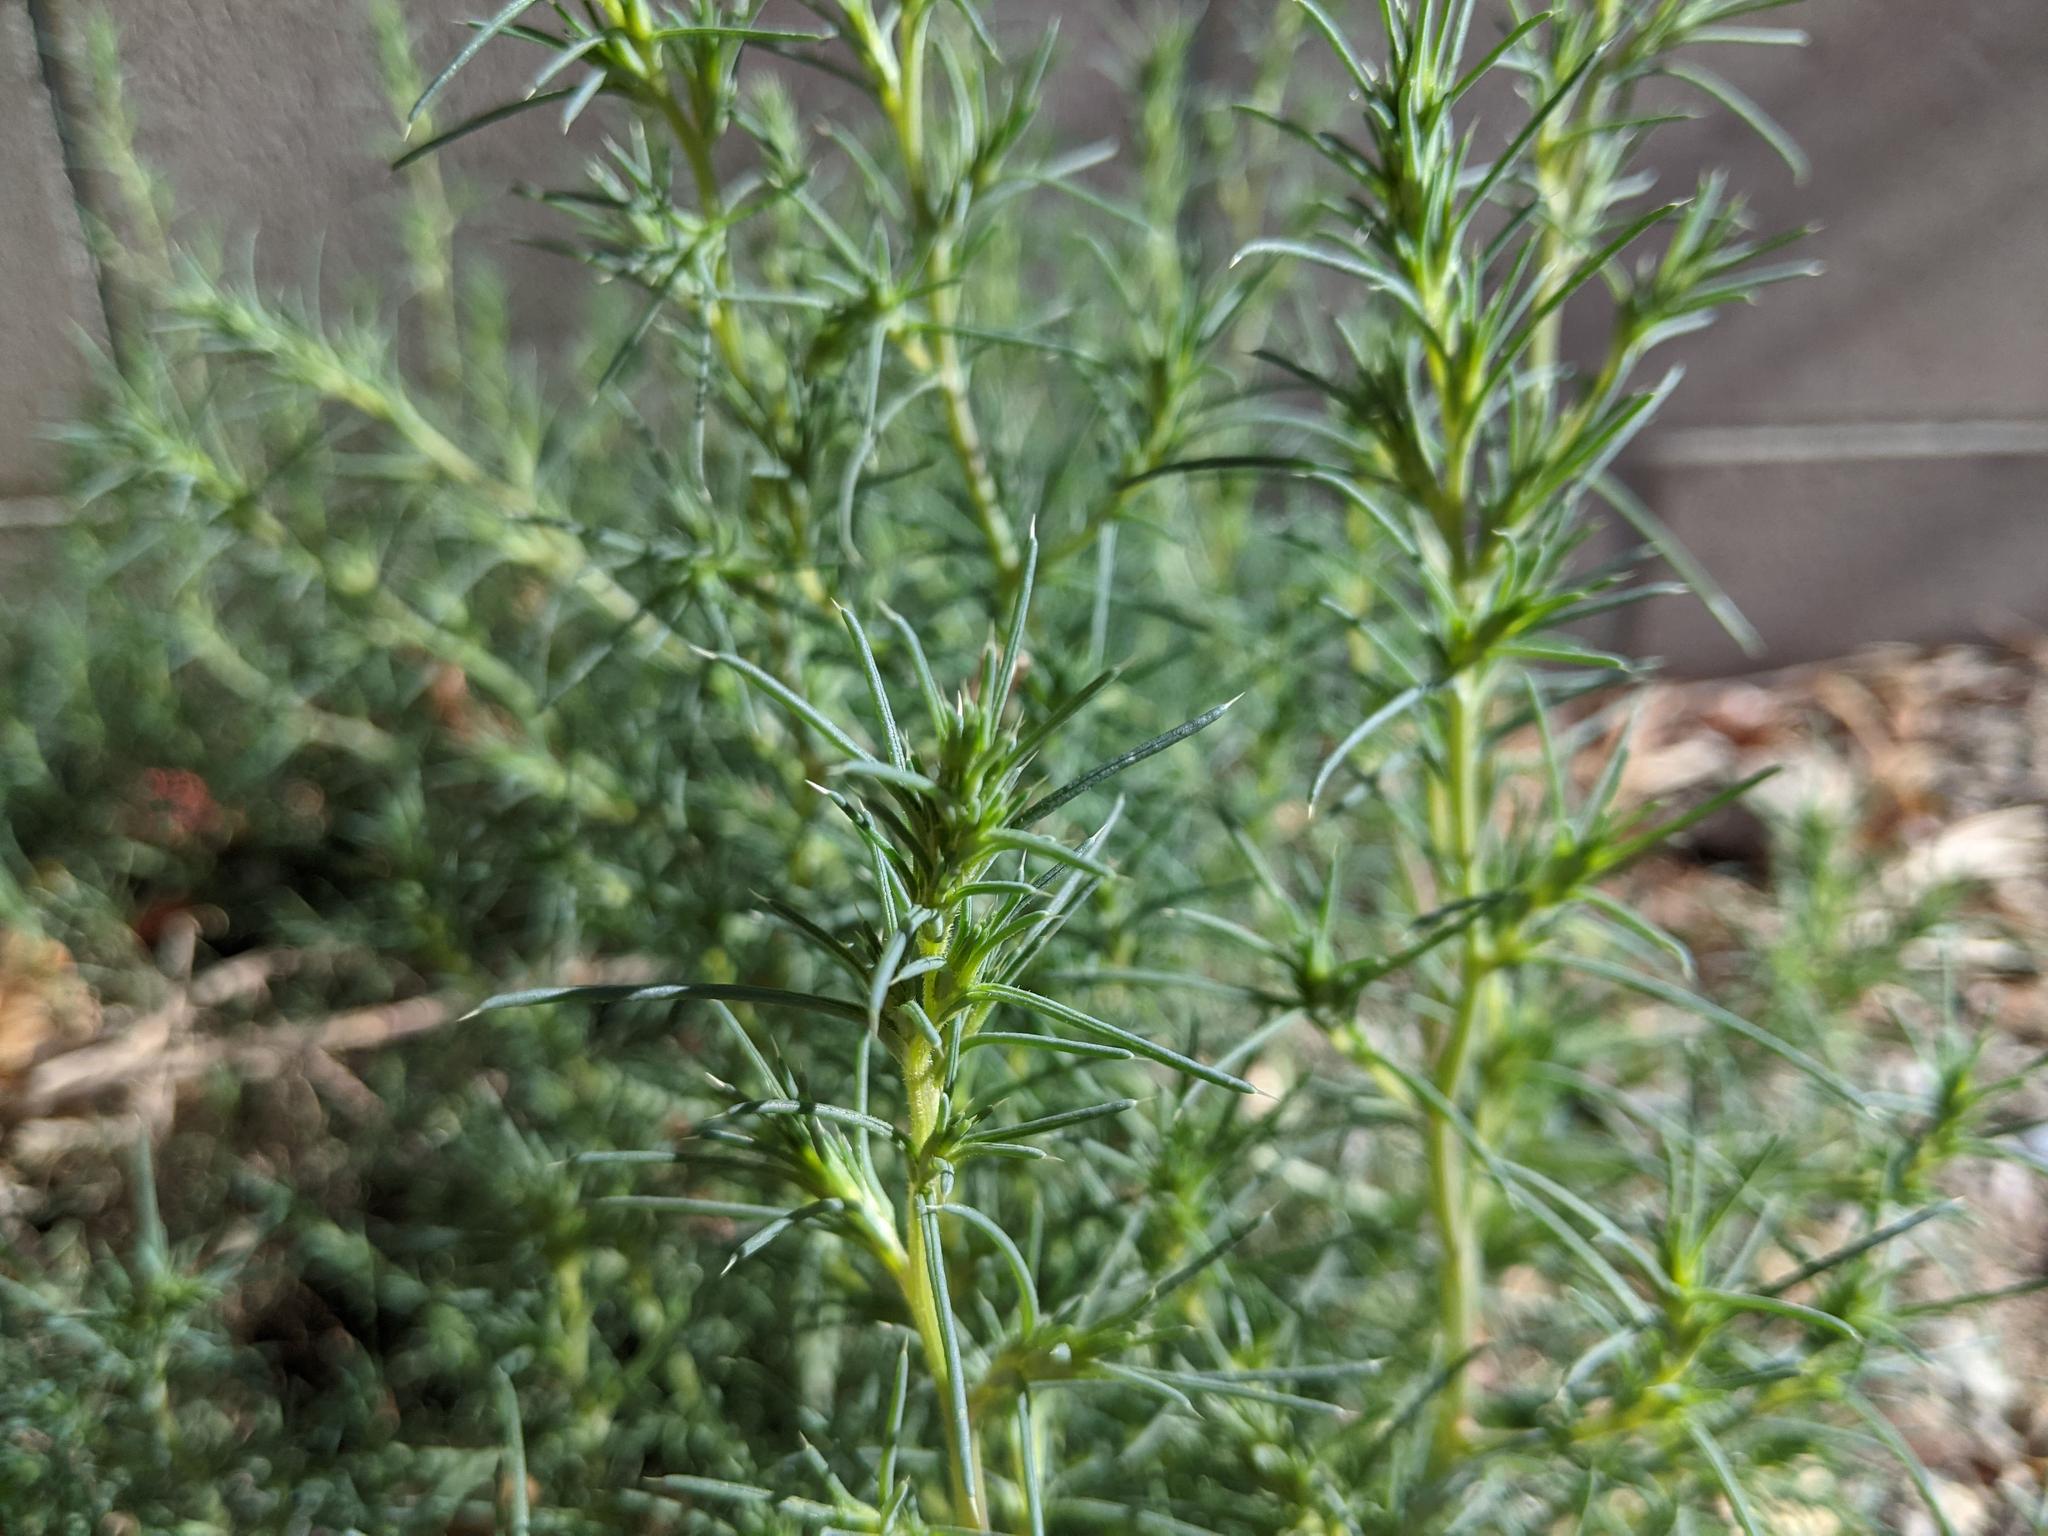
(76, 1076)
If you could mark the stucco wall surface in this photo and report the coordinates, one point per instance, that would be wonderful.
(1865, 457)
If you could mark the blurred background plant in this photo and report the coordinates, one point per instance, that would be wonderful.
(385, 665)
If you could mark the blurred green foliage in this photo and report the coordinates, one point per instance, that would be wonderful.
(838, 626)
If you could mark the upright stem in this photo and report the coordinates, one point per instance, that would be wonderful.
(1543, 346)
(982, 496)
(574, 1316)
(1477, 989)
(903, 101)
(753, 378)
(718, 317)
(1454, 1200)
(925, 1087)
(1564, 177)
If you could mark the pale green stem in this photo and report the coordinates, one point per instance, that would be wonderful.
(1454, 1198)
(718, 317)
(924, 1073)
(903, 102)
(574, 1315)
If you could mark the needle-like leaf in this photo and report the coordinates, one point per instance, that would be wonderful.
(1044, 806)
(1087, 1024)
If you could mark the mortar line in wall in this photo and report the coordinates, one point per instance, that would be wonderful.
(26, 513)
(1843, 443)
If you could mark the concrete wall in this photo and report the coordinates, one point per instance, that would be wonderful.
(47, 293)
(1865, 457)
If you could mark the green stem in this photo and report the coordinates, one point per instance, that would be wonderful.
(575, 1319)
(1453, 1197)
(924, 1074)
(903, 102)
(982, 496)
(1564, 179)
(722, 323)
(430, 256)
(719, 318)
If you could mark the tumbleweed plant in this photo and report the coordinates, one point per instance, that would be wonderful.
(1060, 694)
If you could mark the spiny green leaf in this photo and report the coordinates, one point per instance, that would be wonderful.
(502, 19)
(1777, 1306)
(1062, 1120)
(1724, 1475)
(1760, 122)
(1061, 1013)
(470, 125)
(766, 997)
(1116, 765)
(1399, 704)
(1053, 1043)
(1361, 75)
(791, 700)
(1020, 841)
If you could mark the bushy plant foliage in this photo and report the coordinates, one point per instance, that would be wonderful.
(1075, 669)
